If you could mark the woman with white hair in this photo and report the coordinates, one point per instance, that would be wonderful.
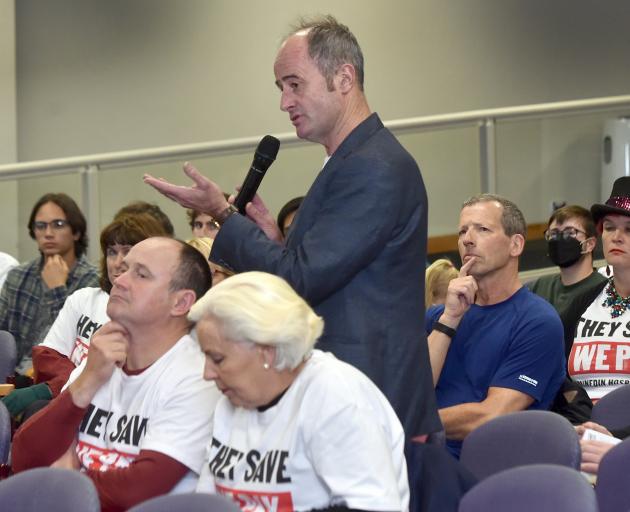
(296, 429)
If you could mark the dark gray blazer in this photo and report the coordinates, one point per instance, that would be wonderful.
(356, 252)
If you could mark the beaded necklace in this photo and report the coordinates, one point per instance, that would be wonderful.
(613, 300)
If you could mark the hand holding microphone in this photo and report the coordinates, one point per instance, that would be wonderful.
(264, 156)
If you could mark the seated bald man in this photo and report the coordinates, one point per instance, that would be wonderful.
(136, 414)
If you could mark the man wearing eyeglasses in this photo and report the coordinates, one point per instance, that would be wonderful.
(571, 239)
(34, 292)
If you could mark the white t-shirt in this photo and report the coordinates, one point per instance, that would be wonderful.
(7, 262)
(600, 356)
(82, 314)
(167, 408)
(333, 438)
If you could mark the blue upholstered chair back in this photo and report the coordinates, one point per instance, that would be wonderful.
(520, 438)
(613, 409)
(537, 487)
(49, 489)
(8, 355)
(189, 502)
(613, 479)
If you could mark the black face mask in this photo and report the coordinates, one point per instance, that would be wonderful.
(564, 252)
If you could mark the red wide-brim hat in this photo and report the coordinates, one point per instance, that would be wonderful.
(618, 202)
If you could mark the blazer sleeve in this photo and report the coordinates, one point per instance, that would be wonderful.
(361, 208)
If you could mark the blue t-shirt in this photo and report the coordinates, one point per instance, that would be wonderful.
(516, 344)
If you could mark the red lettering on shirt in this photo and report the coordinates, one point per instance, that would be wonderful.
(251, 501)
(599, 356)
(101, 459)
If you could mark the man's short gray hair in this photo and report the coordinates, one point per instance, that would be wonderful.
(330, 45)
(512, 218)
(260, 308)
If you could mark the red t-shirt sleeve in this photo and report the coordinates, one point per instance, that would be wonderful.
(150, 474)
(32, 446)
(51, 367)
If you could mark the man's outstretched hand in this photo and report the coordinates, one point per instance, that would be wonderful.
(204, 195)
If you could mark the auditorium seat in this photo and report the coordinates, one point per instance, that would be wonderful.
(537, 487)
(5, 434)
(613, 410)
(520, 438)
(189, 502)
(49, 489)
(613, 479)
(8, 355)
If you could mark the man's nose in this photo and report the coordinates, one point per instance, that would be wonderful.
(467, 238)
(286, 101)
(121, 280)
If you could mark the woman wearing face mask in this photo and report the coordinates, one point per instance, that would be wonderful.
(597, 323)
(571, 238)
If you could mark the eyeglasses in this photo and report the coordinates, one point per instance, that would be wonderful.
(56, 225)
(565, 234)
(211, 225)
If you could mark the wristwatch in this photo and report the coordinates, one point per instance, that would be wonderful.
(225, 214)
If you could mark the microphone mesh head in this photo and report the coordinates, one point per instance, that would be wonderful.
(268, 147)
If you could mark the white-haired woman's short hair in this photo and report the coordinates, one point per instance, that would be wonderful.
(261, 308)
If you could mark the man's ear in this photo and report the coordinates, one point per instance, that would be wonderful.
(184, 300)
(517, 244)
(345, 78)
(589, 244)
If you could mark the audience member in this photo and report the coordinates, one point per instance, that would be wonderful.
(354, 248)
(287, 214)
(7, 262)
(437, 276)
(571, 239)
(295, 426)
(204, 246)
(34, 292)
(154, 210)
(136, 413)
(597, 337)
(84, 312)
(203, 225)
(495, 346)
(594, 450)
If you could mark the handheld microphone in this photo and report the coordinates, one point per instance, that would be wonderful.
(265, 155)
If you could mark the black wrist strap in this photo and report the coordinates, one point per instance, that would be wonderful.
(445, 329)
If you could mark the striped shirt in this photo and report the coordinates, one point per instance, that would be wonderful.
(28, 307)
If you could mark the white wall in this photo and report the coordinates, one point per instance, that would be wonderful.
(97, 76)
(8, 127)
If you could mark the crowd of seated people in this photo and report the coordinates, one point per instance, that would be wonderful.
(495, 348)
(177, 374)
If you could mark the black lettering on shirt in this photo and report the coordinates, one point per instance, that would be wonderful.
(613, 327)
(589, 328)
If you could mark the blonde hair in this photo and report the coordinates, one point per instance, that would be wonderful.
(437, 277)
(202, 244)
(261, 308)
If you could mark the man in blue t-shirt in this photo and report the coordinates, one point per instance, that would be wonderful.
(495, 347)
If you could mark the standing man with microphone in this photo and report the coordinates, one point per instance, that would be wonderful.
(357, 247)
